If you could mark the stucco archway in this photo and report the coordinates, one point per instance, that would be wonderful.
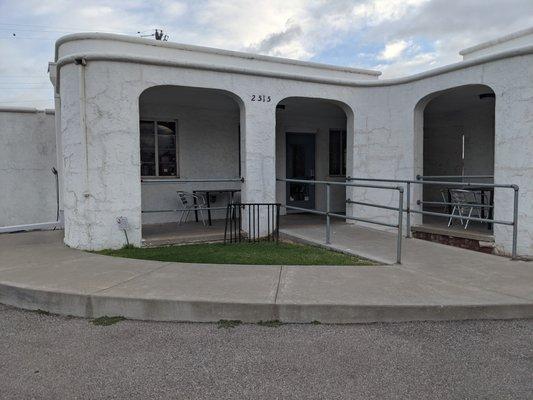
(454, 136)
(187, 134)
(323, 128)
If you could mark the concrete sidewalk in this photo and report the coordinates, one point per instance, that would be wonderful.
(436, 282)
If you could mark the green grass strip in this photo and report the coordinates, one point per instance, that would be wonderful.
(260, 253)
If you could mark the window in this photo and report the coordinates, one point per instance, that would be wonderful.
(337, 152)
(159, 148)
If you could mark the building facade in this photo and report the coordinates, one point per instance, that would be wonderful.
(134, 116)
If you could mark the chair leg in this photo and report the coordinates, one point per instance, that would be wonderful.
(187, 214)
(181, 217)
(461, 215)
(469, 215)
(201, 212)
(451, 218)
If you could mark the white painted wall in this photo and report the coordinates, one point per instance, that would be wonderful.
(27, 153)
(102, 160)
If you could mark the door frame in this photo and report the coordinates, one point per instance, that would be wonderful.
(312, 187)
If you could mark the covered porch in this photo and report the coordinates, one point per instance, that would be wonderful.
(190, 145)
(458, 146)
(193, 232)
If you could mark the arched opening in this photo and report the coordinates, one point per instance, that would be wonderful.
(187, 136)
(312, 143)
(457, 145)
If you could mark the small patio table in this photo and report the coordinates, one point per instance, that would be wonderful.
(230, 193)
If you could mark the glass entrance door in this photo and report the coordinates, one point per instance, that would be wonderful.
(300, 164)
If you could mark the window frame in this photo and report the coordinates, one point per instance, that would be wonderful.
(343, 152)
(155, 121)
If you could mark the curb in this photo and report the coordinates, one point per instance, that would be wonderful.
(92, 306)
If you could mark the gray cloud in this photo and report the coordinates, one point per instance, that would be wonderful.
(276, 40)
(341, 29)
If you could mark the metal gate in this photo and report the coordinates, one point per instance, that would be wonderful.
(252, 222)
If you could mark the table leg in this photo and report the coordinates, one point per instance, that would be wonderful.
(491, 209)
(482, 202)
(207, 195)
(195, 209)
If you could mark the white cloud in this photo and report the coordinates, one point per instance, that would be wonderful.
(398, 36)
(378, 11)
(393, 49)
(408, 65)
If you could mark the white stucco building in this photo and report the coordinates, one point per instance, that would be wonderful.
(130, 111)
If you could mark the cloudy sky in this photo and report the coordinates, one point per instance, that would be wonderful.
(398, 37)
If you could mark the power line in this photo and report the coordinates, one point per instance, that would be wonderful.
(65, 28)
(25, 101)
(32, 30)
(24, 83)
(27, 38)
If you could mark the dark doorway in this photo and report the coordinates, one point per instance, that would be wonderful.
(300, 165)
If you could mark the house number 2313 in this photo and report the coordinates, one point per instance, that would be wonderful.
(261, 97)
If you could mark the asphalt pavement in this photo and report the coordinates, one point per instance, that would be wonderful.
(55, 357)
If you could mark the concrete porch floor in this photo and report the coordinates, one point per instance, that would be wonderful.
(196, 232)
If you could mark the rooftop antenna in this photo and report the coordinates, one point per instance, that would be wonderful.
(157, 35)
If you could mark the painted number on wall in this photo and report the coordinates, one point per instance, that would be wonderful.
(261, 97)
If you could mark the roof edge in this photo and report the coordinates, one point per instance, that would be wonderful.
(501, 39)
(210, 50)
(527, 50)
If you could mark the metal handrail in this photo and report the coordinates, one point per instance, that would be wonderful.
(192, 180)
(329, 214)
(408, 210)
(422, 177)
(182, 209)
(446, 203)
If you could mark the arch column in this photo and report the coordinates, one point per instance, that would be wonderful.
(100, 149)
(259, 154)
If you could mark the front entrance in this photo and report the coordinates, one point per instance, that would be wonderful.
(300, 161)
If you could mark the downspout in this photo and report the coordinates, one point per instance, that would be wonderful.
(52, 69)
(82, 62)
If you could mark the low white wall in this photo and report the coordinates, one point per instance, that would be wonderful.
(508, 42)
(27, 154)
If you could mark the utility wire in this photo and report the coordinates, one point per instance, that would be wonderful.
(63, 28)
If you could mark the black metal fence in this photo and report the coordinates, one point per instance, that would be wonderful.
(251, 222)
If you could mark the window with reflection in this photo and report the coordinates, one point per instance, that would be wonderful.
(337, 152)
(159, 148)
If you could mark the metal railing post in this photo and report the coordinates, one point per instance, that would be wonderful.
(328, 218)
(408, 218)
(400, 223)
(515, 222)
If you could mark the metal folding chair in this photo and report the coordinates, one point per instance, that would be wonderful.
(465, 203)
(188, 202)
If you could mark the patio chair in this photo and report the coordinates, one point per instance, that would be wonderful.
(188, 202)
(465, 203)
